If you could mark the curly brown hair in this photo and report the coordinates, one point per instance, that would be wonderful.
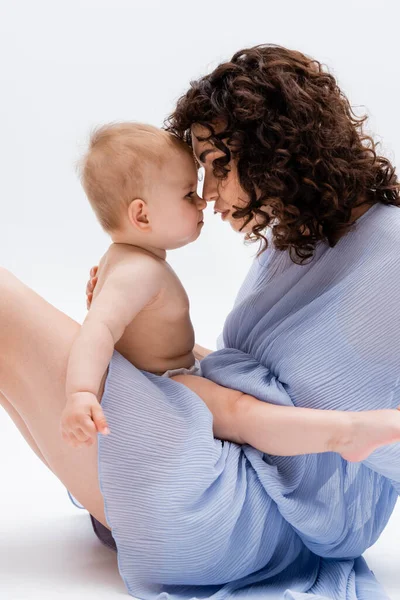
(300, 148)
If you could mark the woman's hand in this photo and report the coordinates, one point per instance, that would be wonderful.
(367, 431)
(91, 284)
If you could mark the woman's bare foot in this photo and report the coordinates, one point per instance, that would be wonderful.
(368, 431)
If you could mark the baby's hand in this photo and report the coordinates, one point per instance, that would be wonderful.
(81, 419)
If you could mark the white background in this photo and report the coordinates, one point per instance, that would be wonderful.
(69, 65)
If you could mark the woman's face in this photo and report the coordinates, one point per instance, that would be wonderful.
(225, 193)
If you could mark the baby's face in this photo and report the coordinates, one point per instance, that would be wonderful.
(175, 209)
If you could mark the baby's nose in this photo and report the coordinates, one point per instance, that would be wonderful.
(201, 203)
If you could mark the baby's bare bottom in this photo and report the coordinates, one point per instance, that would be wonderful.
(35, 341)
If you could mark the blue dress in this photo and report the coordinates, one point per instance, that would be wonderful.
(194, 517)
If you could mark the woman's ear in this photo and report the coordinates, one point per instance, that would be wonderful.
(138, 215)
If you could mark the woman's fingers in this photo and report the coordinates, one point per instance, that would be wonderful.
(93, 271)
(91, 284)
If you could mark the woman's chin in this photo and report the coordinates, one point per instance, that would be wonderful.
(237, 225)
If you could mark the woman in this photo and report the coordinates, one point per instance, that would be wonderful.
(316, 323)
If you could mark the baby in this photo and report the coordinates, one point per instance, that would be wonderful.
(142, 184)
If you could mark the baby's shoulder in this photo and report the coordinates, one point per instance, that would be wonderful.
(123, 258)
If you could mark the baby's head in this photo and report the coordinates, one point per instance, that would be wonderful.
(142, 185)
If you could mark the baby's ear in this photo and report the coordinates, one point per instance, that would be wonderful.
(138, 214)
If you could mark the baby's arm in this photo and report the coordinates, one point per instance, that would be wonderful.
(290, 430)
(199, 351)
(127, 290)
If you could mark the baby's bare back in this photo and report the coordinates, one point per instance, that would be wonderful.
(161, 336)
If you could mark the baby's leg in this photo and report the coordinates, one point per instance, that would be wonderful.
(35, 341)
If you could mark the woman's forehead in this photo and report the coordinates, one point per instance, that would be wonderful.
(201, 132)
(203, 147)
(199, 144)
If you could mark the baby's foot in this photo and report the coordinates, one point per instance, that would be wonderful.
(368, 431)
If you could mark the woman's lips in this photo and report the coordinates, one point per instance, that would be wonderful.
(223, 213)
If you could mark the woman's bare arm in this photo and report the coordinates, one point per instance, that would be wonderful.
(200, 352)
(289, 430)
(243, 419)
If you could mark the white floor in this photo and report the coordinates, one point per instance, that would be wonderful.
(48, 550)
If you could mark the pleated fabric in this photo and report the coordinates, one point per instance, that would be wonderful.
(194, 517)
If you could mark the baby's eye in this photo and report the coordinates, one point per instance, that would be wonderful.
(190, 195)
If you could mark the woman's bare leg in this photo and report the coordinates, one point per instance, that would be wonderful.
(20, 423)
(35, 341)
